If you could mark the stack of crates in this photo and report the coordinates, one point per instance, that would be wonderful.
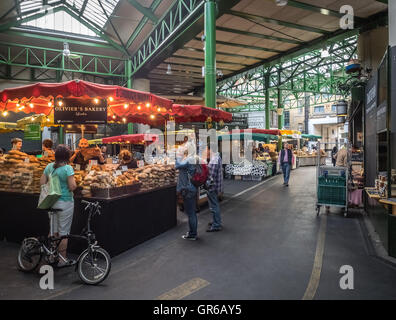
(332, 190)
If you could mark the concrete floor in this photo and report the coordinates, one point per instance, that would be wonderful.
(266, 251)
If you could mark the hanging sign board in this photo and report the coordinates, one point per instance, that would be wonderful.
(80, 111)
(75, 128)
(32, 131)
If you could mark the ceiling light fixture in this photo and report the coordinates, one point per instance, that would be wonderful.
(169, 70)
(281, 3)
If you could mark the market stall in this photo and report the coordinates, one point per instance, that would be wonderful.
(307, 157)
(138, 204)
(244, 169)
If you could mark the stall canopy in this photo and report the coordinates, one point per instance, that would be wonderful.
(40, 97)
(274, 132)
(131, 138)
(254, 136)
(310, 137)
(179, 113)
(6, 127)
(292, 134)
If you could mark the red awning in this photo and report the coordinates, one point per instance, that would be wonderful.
(131, 138)
(37, 97)
(180, 113)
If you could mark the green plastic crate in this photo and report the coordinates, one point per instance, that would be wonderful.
(328, 194)
(332, 181)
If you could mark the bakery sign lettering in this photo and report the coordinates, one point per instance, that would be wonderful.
(80, 111)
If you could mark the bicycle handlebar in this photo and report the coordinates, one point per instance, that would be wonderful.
(95, 205)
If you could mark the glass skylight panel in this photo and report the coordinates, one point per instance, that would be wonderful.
(60, 21)
(92, 12)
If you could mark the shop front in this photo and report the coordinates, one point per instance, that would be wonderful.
(380, 150)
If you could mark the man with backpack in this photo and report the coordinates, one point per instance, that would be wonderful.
(214, 187)
(192, 175)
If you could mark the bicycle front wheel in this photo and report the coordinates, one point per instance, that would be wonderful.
(94, 266)
(29, 255)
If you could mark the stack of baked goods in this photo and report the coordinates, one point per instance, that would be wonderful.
(15, 156)
(156, 176)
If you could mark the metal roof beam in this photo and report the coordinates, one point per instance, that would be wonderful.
(258, 35)
(250, 17)
(243, 46)
(200, 59)
(142, 23)
(324, 11)
(147, 12)
(222, 53)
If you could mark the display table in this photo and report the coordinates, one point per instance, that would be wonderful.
(391, 202)
(310, 161)
(125, 222)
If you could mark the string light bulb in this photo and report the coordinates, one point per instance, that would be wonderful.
(159, 109)
(31, 105)
(50, 104)
(60, 103)
(18, 105)
(147, 105)
(5, 113)
(125, 106)
(96, 100)
(114, 116)
(152, 116)
(111, 99)
(123, 119)
(48, 119)
(139, 107)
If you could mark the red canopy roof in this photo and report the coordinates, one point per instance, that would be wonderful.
(131, 138)
(36, 97)
(180, 113)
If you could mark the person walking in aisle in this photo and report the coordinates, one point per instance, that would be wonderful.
(188, 191)
(285, 160)
(214, 187)
(333, 156)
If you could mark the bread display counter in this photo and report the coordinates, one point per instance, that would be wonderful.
(137, 204)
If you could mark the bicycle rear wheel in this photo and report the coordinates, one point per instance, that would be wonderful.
(94, 266)
(29, 255)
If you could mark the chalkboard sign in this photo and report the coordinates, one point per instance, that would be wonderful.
(80, 111)
(370, 139)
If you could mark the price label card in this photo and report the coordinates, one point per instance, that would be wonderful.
(118, 173)
(27, 160)
(93, 162)
(140, 163)
(45, 153)
(91, 173)
(78, 167)
(109, 160)
(89, 167)
(124, 168)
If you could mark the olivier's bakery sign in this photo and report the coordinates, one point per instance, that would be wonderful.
(80, 111)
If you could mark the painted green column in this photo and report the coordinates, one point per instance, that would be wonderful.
(267, 103)
(210, 53)
(128, 73)
(280, 117)
(61, 135)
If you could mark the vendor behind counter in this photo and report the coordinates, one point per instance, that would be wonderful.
(84, 154)
(127, 160)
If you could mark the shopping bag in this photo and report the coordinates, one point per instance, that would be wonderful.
(50, 192)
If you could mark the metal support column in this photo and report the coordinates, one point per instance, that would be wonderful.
(210, 53)
(280, 117)
(128, 73)
(267, 103)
